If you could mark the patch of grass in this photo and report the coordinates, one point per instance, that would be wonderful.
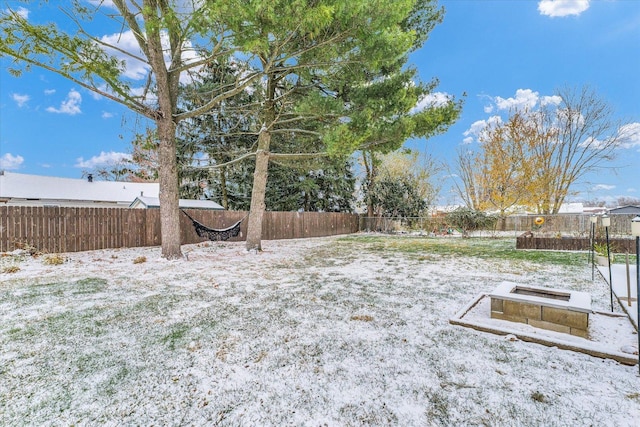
(113, 383)
(438, 409)
(484, 248)
(88, 286)
(176, 336)
(140, 260)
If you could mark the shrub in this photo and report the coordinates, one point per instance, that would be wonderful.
(466, 219)
(27, 247)
(140, 260)
(54, 259)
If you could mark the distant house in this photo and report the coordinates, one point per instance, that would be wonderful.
(18, 189)
(629, 209)
(595, 210)
(571, 208)
(143, 202)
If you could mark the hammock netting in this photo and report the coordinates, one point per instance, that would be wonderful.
(215, 234)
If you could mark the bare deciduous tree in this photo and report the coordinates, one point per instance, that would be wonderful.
(535, 157)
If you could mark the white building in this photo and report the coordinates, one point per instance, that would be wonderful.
(18, 189)
(571, 208)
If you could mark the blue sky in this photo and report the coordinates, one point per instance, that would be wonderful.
(500, 53)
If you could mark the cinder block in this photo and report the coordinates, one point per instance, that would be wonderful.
(549, 326)
(580, 332)
(496, 305)
(573, 319)
(521, 309)
(502, 316)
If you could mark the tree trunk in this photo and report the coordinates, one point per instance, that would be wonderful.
(223, 186)
(502, 222)
(370, 176)
(256, 212)
(168, 177)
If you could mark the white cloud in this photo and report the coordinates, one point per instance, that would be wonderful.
(524, 99)
(70, 106)
(478, 126)
(603, 187)
(126, 41)
(102, 159)
(49, 91)
(560, 8)
(105, 3)
(550, 100)
(22, 12)
(468, 140)
(9, 161)
(21, 100)
(137, 69)
(106, 115)
(629, 135)
(438, 99)
(631, 190)
(149, 96)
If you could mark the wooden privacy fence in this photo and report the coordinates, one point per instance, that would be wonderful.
(529, 241)
(578, 225)
(65, 229)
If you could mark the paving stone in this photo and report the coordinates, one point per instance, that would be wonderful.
(496, 305)
(502, 316)
(579, 332)
(573, 319)
(549, 326)
(520, 309)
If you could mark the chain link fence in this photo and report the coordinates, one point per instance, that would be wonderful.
(560, 225)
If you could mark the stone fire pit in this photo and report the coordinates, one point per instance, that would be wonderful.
(553, 309)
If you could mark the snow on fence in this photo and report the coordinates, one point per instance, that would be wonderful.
(67, 229)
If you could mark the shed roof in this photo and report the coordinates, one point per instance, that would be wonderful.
(154, 202)
(629, 209)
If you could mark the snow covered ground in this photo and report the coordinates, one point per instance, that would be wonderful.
(330, 331)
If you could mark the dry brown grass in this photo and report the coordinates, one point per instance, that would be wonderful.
(10, 269)
(54, 259)
(362, 317)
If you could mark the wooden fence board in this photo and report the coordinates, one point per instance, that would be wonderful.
(17, 224)
(69, 230)
(4, 229)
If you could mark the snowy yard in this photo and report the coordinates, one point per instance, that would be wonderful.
(340, 331)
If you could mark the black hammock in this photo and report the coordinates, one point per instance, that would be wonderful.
(213, 234)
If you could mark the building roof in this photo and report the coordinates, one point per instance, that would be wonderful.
(571, 208)
(23, 186)
(629, 209)
(154, 202)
